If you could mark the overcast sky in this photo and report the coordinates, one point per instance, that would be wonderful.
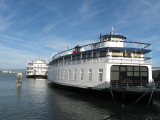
(30, 29)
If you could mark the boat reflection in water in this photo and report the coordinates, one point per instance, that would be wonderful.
(37, 90)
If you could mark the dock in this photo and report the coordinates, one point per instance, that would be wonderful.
(5, 71)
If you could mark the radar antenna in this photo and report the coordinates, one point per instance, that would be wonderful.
(112, 30)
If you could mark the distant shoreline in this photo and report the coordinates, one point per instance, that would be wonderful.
(12, 70)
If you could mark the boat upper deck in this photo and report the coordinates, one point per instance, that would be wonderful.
(99, 46)
(111, 46)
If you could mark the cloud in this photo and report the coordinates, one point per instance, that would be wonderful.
(90, 9)
(3, 5)
(4, 21)
(57, 43)
(15, 50)
(53, 26)
(29, 29)
(80, 16)
(12, 58)
(145, 12)
(86, 7)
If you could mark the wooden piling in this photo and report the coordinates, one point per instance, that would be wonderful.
(19, 79)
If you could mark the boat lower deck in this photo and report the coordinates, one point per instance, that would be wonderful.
(36, 76)
(120, 95)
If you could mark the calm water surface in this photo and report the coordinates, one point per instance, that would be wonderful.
(36, 100)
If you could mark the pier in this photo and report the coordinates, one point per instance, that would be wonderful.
(9, 71)
(19, 76)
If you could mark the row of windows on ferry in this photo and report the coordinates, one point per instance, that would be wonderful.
(40, 65)
(73, 74)
(110, 38)
(89, 55)
(38, 69)
(31, 64)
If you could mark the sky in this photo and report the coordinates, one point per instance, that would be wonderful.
(31, 29)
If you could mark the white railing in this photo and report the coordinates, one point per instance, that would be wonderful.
(140, 86)
(101, 45)
(128, 60)
(105, 59)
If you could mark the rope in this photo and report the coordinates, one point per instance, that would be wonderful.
(127, 106)
(113, 96)
(140, 118)
(149, 100)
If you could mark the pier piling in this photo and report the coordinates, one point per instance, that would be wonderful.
(19, 79)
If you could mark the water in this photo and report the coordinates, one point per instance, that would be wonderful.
(36, 100)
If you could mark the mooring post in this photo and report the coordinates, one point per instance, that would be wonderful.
(19, 79)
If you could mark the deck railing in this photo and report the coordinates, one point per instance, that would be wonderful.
(144, 60)
(105, 59)
(101, 45)
(133, 86)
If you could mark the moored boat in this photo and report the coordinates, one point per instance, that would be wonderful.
(37, 68)
(113, 66)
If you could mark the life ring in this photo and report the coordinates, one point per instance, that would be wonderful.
(73, 52)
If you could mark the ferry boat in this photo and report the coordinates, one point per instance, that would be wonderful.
(113, 67)
(37, 68)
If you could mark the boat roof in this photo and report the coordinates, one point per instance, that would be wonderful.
(113, 35)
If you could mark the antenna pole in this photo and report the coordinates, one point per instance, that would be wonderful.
(113, 30)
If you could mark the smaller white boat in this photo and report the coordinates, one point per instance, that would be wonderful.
(37, 68)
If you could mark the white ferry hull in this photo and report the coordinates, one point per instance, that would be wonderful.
(110, 67)
(96, 87)
(95, 83)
